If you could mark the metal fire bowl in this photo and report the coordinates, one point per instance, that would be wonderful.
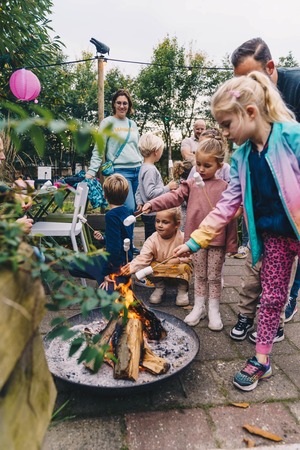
(180, 348)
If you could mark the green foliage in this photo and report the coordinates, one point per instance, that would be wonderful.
(57, 259)
(288, 61)
(25, 38)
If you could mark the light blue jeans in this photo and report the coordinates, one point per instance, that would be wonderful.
(132, 176)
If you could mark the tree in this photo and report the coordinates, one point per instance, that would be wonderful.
(287, 61)
(24, 37)
(171, 90)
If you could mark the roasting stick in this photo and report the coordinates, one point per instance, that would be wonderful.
(149, 270)
(84, 220)
(200, 183)
(97, 234)
(126, 247)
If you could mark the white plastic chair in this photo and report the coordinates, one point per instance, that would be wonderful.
(71, 229)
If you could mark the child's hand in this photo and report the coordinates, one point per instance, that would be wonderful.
(182, 250)
(25, 223)
(125, 270)
(97, 235)
(238, 213)
(139, 208)
(147, 208)
(104, 285)
(185, 260)
(173, 185)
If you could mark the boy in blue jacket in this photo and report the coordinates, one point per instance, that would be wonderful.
(115, 189)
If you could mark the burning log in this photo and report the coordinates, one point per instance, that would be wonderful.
(152, 326)
(127, 344)
(127, 338)
(153, 363)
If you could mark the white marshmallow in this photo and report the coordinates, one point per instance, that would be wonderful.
(144, 272)
(81, 218)
(126, 244)
(129, 221)
(199, 180)
(46, 185)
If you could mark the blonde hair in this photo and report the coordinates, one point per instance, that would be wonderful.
(148, 143)
(116, 189)
(181, 169)
(175, 213)
(213, 145)
(255, 88)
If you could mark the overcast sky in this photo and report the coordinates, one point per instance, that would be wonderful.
(133, 28)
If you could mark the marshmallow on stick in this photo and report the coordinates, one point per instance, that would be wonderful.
(126, 244)
(126, 247)
(149, 270)
(47, 185)
(199, 180)
(84, 220)
(131, 219)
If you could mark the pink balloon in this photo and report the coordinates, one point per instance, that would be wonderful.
(25, 85)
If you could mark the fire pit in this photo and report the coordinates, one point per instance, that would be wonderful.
(179, 348)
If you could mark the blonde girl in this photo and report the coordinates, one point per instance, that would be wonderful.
(158, 247)
(265, 177)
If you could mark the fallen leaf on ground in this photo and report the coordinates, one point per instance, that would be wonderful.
(250, 443)
(240, 405)
(259, 432)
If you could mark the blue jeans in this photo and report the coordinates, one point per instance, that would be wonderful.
(296, 285)
(245, 236)
(132, 176)
(94, 271)
(149, 222)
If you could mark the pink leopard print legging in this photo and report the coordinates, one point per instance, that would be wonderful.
(279, 255)
(208, 263)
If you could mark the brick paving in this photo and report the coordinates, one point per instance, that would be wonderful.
(192, 410)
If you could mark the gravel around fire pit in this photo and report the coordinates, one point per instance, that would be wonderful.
(179, 348)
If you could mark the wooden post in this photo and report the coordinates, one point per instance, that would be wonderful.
(101, 61)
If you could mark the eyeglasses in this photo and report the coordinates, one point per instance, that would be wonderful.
(122, 103)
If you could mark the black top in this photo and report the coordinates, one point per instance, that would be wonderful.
(268, 209)
(288, 84)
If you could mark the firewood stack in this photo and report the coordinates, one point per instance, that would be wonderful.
(128, 339)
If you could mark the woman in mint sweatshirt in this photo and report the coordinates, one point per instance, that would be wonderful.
(129, 161)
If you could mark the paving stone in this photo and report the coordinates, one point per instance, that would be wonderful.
(169, 430)
(290, 366)
(295, 410)
(273, 417)
(92, 434)
(213, 343)
(45, 325)
(85, 403)
(229, 295)
(291, 330)
(195, 386)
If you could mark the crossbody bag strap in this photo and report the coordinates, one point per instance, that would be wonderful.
(124, 143)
